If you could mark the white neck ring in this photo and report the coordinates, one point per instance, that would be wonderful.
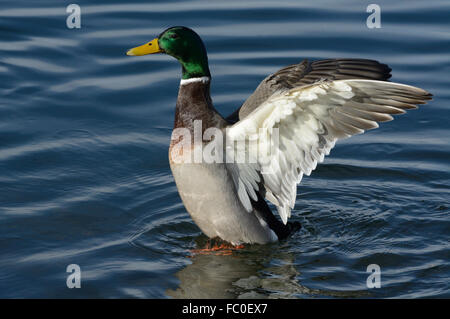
(203, 79)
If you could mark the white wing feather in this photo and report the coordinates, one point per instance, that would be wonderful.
(309, 120)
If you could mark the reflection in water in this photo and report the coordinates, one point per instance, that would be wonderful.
(212, 276)
(253, 272)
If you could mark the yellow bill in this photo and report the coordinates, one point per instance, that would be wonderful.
(148, 48)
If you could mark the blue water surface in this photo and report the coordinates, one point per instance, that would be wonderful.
(84, 134)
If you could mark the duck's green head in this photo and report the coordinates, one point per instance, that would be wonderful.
(184, 45)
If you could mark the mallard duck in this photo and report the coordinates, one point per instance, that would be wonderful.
(307, 107)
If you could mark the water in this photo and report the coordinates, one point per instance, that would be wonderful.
(84, 133)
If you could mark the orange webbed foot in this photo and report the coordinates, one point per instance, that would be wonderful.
(216, 247)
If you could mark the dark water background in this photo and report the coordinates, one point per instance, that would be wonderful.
(84, 133)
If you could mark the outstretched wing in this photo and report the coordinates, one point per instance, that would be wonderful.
(305, 73)
(309, 120)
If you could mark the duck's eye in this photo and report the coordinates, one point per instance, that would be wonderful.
(174, 36)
